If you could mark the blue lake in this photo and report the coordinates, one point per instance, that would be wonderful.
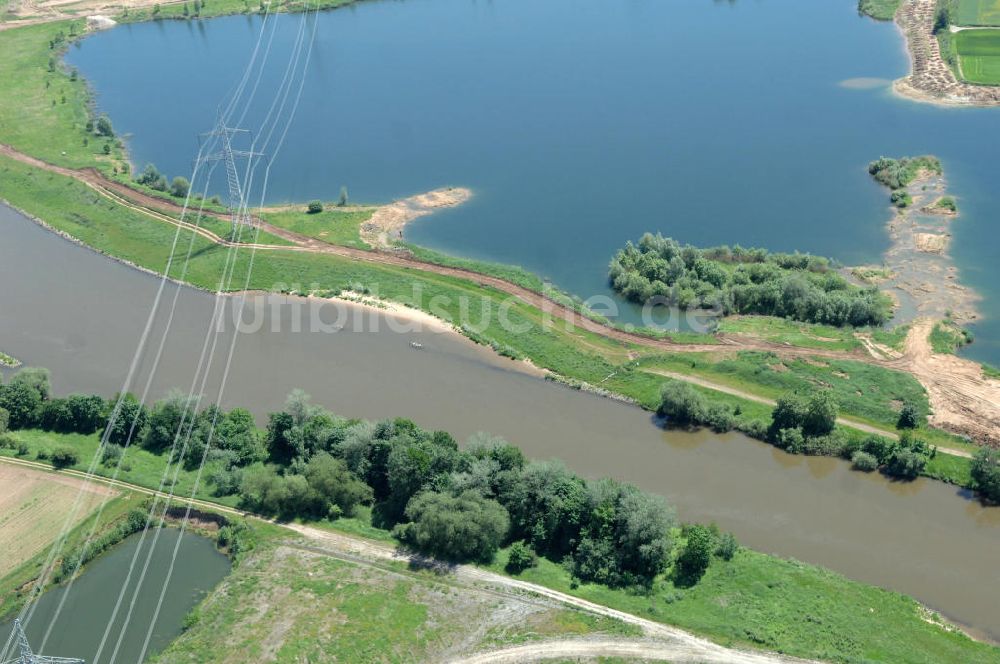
(579, 124)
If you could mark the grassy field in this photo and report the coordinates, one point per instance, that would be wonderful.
(793, 333)
(883, 10)
(978, 12)
(33, 510)
(334, 611)
(43, 112)
(331, 225)
(979, 55)
(784, 605)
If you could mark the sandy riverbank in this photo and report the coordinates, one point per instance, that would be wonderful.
(387, 223)
(923, 277)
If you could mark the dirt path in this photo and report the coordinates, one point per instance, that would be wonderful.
(339, 545)
(963, 402)
(674, 642)
(962, 399)
(593, 648)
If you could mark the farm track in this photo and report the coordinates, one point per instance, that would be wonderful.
(963, 401)
(662, 642)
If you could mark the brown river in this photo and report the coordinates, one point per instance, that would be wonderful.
(80, 314)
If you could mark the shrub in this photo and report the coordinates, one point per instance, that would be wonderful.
(727, 546)
(864, 461)
(342, 201)
(909, 417)
(905, 464)
(64, 457)
(4, 420)
(314, 207)
(180, 187)
(681, 404)
(879, 447)
(520, 558)
(720, 417)
(791, 440)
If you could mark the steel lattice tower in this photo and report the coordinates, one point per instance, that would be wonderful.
(228, 155)
(26, 655)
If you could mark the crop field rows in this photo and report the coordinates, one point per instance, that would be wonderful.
(979, 55)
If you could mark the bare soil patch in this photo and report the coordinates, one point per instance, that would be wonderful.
(387, 224)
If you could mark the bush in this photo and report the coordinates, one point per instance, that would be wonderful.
(791, 440)
(727, 546)
(314, 207)
(64, 457)
(905, 464)
(720, 417)
(520, 558)
(681, 404)
(864, 461)
(180, 187)
(909, 417)
(4, 420)
(111, 454)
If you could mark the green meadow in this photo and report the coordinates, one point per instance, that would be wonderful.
(979, 55)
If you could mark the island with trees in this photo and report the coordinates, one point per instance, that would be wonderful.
(735, 280)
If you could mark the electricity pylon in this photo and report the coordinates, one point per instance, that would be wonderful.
(26, 656)
(227, 155)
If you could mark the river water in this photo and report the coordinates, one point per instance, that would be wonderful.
(580, 124)
(90, 602)
(80, 314)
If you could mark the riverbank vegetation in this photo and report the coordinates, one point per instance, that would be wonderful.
(744, 281)
(605, 541)
(947, 337)
(899, 173)
(883, 10)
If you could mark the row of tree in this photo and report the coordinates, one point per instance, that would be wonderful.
(735, 280)
(806, 425)
(459, 504)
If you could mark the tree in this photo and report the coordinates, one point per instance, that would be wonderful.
(37, 378)
(789, 413)
(170, 422)
(130, 421)
(314, 207)
(696, 556)
(342, 201)
(104, 127)
(180, 187)
(464, 527)
(680, 404)
(626, 539)
(337, 491)
(909, 417)
(149, 176)
(238, 433)
(986, 473)
(821, 415)
(22, 403)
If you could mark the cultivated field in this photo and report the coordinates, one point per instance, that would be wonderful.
(33, 508)
(978, 12)
(979, 55)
